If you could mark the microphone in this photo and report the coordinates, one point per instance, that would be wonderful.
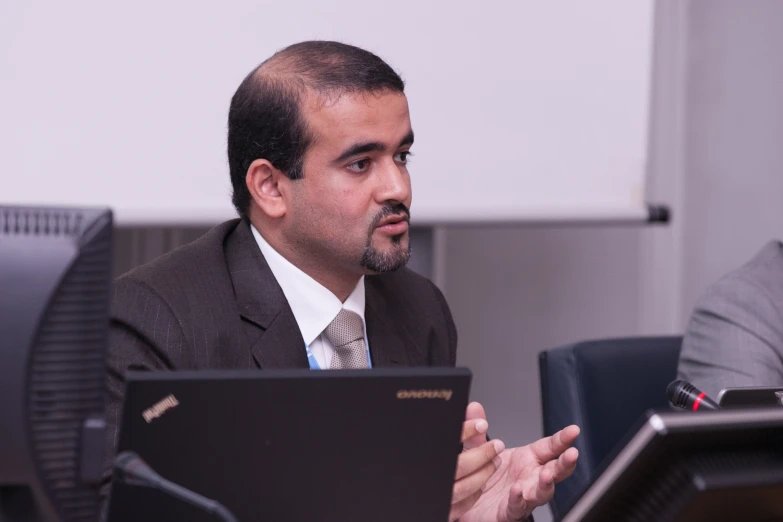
(685, 395)
(130, 469)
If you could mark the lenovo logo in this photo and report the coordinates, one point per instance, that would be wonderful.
(425, 394)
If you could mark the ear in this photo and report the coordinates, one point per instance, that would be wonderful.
(263, 181)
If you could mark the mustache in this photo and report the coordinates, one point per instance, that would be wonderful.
(391, 209)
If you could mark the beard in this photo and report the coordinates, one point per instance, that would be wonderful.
(397, 257)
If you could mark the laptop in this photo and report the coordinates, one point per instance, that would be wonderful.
(750, 397)
(296, 445)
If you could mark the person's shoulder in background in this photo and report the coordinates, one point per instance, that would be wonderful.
(735, 335)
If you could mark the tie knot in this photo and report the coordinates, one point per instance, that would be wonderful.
(346, 328)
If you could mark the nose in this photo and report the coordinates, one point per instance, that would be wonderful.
(394, 184)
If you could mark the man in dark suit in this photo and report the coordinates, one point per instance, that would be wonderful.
(312, 274)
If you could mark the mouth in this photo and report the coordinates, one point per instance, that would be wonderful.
(393, 225)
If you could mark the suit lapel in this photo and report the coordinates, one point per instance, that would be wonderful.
(281, 344)
(268, 323)
(390, 342)
(270, 328)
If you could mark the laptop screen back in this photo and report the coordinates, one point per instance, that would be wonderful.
(345, 446)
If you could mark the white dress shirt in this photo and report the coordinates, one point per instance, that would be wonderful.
(314, 306)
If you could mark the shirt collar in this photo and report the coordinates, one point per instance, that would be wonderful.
(313, 305)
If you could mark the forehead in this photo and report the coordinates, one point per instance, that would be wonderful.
(362, 116)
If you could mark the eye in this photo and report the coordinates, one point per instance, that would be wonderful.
(361, 165)
(403, 157)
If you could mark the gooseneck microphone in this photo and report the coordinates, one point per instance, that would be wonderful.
(685, 395)
(130, 469)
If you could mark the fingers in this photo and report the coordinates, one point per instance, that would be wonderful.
(545, 489)
(473, 483)
(474, 469)
(472, 460)
(550, 448)
(564, 465)
(517, 504)
(475, 412)
(462, 507)
(472, 428)
(521, 503)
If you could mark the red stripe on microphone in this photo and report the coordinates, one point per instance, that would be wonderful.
(697, 403)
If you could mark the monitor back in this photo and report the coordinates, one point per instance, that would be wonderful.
(55, 276)
(716, 466)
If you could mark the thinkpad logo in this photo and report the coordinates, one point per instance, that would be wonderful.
(159, 408)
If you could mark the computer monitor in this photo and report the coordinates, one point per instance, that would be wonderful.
(55, 275)
(716, 466)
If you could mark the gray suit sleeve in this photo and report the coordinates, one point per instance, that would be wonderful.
(734, 339)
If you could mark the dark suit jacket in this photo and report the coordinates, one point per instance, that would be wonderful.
(215, 303)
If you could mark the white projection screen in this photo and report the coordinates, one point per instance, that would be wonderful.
(523, 110)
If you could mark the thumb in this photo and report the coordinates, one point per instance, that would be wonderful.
(475, 411)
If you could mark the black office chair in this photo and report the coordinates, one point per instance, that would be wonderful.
(604, 387)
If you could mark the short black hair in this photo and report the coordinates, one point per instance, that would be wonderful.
(265, 119)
